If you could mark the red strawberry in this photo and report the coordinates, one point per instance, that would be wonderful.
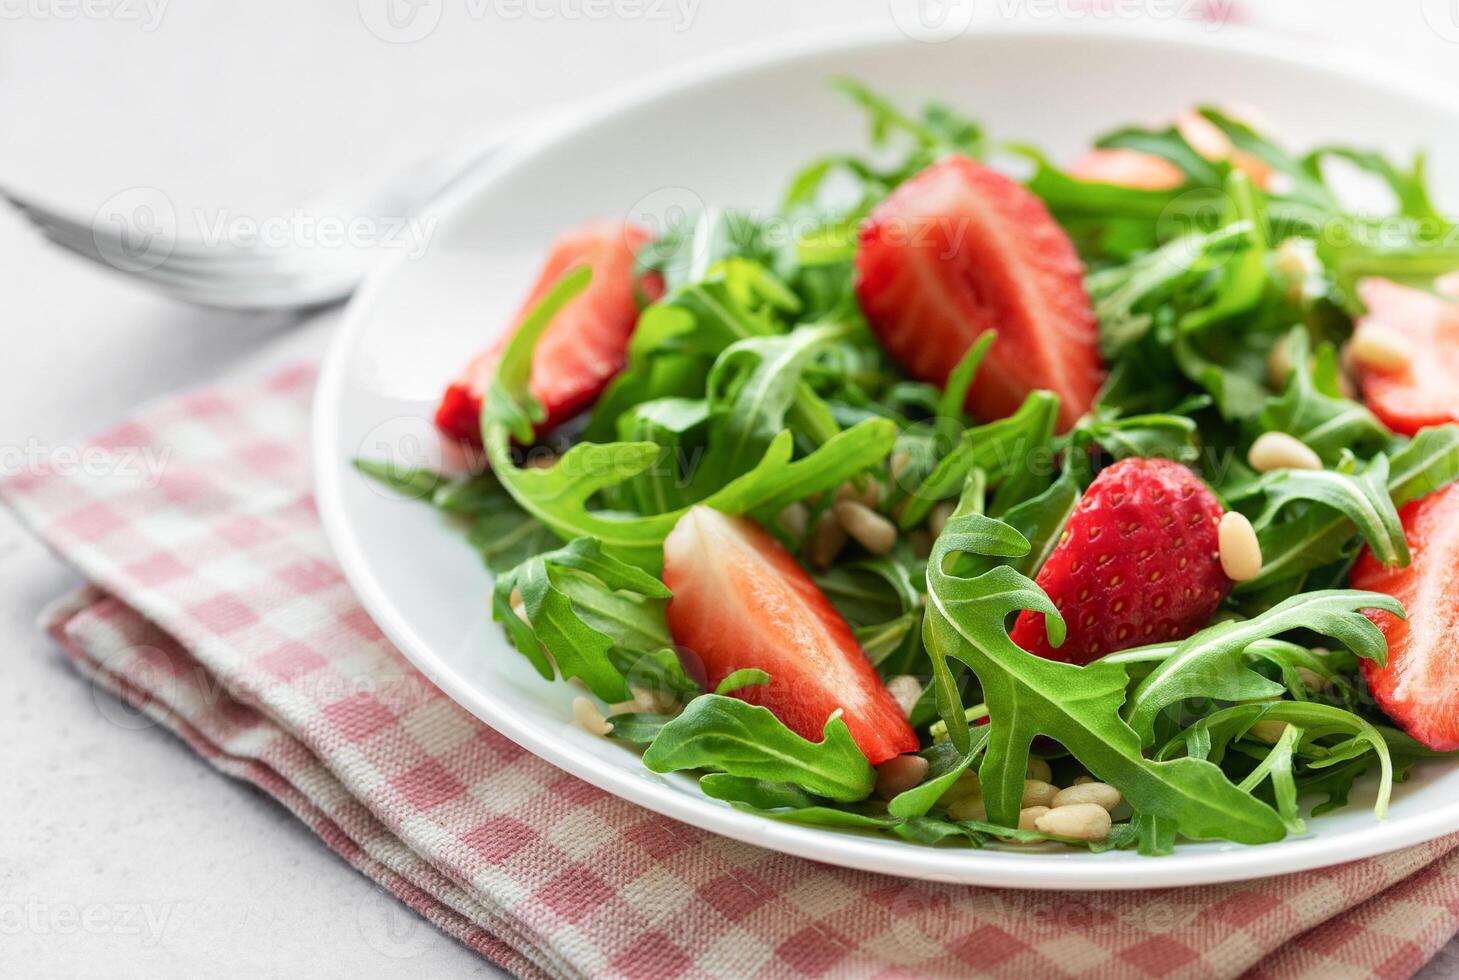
(1138, 563)
(1417, 688)
(1127, 168)
(583, 348)
(740, 600)
(960, 249)
(1423, 392)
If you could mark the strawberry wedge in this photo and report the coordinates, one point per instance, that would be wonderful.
(960, 249)
(1421, 392)
(1127, 168)
(585, 345)
(740, 600)
(1417, 688)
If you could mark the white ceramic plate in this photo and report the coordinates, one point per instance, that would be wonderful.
(731, 134)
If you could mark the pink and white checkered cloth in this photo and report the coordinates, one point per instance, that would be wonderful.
(217, 607)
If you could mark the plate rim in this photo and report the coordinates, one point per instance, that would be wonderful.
(993, 868)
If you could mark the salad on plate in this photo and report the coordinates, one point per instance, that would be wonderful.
(978, 499)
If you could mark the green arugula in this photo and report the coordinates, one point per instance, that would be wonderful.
(1078, 706)
(1211, 663)
(741, 739)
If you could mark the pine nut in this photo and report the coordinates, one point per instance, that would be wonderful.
(871, 530)
(1240, 550)
(968, 808)
(646, 701)
(1279, 451)
(589, 718)
(1078, 821)
(1099, 794)
(1039, 769)
(795, 519)
(870, 496)
(544, 459)
(1270, 732)
(921, 540)
(1036, 792)
(827, 539)
(519, 607)
(1081, 780)
(966, 785)
(1279, 365)
(896, 776)
(1311, 678)
(906, 690)
(1029, 815)
(1448, 285)
(1377, 348)
(897, 464)
(941, 514)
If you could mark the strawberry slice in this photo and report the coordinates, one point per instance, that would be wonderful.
(584, 346)
(740, 600)
(1416, 689)
(1138, 563)
(1127, 168)
(960, 249)
(1422, 392)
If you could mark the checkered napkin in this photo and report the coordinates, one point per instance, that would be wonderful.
(216, 607)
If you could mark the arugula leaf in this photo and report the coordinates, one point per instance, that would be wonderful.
(637, 727)
(1362, 497)
(999, 448)
(413, 483)
(1078, 706)
(1210, 664)
(499, 530)
(1041, 521)
(732, 736)
(945, 765)
(1321, 536)
(558, 496)
(1312, 410)
(742, 678)
(955, 393)
(761, 794)
(749, 407)
(556, 591)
